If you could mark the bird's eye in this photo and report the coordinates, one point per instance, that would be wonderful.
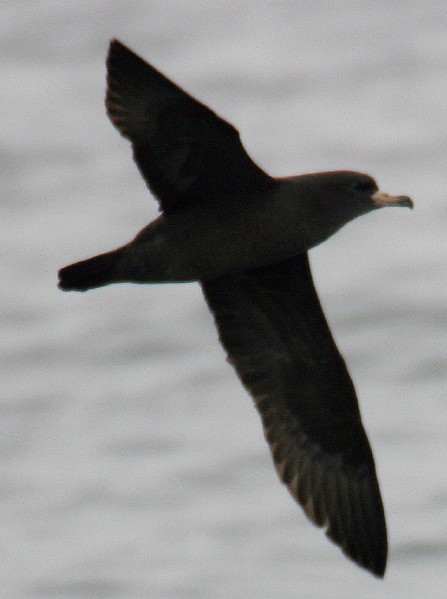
(363, 186)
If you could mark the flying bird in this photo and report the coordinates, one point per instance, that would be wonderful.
(244, 235)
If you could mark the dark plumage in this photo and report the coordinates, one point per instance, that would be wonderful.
(244, 235)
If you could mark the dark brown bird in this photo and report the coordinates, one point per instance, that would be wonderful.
(244, 236)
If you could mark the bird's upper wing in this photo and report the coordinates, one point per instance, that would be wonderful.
(271, 323)
(185, 152)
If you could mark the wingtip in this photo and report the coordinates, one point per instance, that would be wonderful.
(375, 564)
(115, 42)
(119, 52)
(377, 569)
(121, 58)
(379, 573)
(116, 46)
(373, 559)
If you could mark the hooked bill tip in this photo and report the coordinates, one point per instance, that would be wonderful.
(406, 201)
(381, 200)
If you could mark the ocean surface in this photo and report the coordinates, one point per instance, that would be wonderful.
(132, 462)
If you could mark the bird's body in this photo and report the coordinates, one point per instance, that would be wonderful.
(244, 236)
(204, 242)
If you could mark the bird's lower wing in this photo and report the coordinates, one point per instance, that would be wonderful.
(271, 323)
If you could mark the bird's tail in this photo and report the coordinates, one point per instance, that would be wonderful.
(88, 274)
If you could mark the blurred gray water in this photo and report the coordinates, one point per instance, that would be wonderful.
(132, 461)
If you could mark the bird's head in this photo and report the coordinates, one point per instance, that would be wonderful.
(357, 193)
(364, 190)
(334, 198)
